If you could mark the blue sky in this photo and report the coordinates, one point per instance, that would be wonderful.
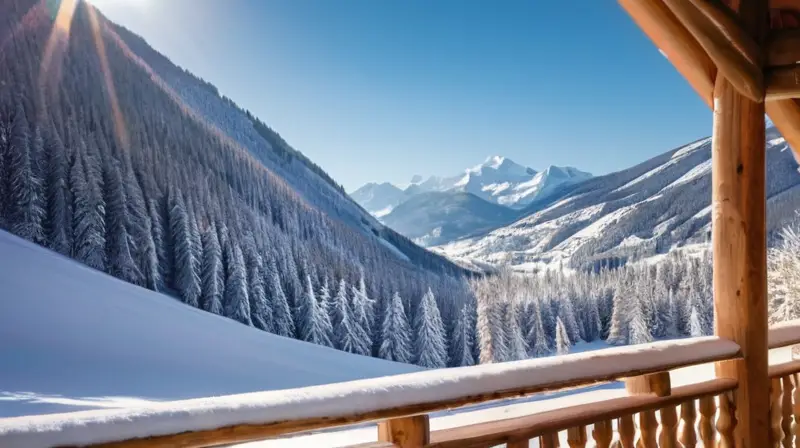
(382, 90)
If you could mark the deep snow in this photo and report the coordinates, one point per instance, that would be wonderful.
(72, 338)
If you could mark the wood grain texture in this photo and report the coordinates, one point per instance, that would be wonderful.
(727, 21)
(775, 413)
(658, 384)
(787, 388)
(688, 435)
(708, 407)
(532, 426)
(407, 432)
(626, 430)
(668, 429)
(739, 252)
(783, 47)
(648, 430)
(785, 114)
(675, 41)
(726, 422)
(746, 76)
(603, 433)
(576, 437)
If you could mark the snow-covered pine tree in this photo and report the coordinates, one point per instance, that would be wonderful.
(211, 272)
(326, 305)
(638, 332)
(57, 217)
(696, 327)
(25, 190)
(88, 245)
(484, 326)
(536, 337)
(462, 347)
(430, 343)
(517, 348)
(309, 322)
(361, 305)
(260, 311)
(395, 334)
(187, 281)
(349, 335)
(151, 273)
(159, 240)
(281, 313)
(563, 342)
(236, 301)
(118, 252)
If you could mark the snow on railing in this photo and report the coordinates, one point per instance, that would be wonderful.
(253, 416)
(784, 334)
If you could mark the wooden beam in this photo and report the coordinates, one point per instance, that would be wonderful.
(407, 432)
(658, 384)
(785, 114)
(676, 43)
(783, 83)
(783, 47)
(743, 74)
(740, 253)
(727, 21)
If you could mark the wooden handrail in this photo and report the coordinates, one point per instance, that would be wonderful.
(528, 427)
(784, 334)
(232, 419)
(784, 369)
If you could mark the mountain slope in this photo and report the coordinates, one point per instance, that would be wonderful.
(642, 211)
(113, 344)
(379, 199)
(436, 217)
(137, 168)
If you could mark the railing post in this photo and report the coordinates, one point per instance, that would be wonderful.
(406, 432)
(739, 241)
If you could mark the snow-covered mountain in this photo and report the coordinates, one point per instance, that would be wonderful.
(436, 217)
(498, 179)
(642, 211)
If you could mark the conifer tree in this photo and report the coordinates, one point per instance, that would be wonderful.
(211, 272)
(696, 328)
(349, 337)
(462, 347)
(310, 320)
(281, 313)
(236, 299)
(638, 332)
(430, 343)
(187, 280)
(563, 342)
(536, 337)
(25, 210)
(57, 216)
(88, 216)
(395, 341)
(326, 305)
(260, 311)
(118, 252)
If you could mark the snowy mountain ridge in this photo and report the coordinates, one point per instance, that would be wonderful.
(640, 212)
(498, 179)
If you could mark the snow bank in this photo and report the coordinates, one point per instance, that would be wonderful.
(72, 338)
(354, 397)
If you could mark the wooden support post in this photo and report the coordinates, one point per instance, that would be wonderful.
(406, 432)
(739, 242)
(655, 383)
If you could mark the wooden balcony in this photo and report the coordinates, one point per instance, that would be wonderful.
(649, 413)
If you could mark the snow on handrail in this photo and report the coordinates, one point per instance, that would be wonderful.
(784, 334)
(265, 414)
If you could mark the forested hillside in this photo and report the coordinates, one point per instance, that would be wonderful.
(113, 156)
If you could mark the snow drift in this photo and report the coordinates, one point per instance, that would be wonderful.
(74, 338)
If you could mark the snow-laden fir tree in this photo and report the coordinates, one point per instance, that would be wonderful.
(326, 305)
(783, 262)
(566, 311)
(236, 300)
(696, 328)
(281, 313)
(260, 310)
(536, 337)
(463, 341)
(88, 218)
(361, 305)
(349, 335)
(212, 278)
(563, 342)
(310, 320)
(517, 348)
(187, 280)
(25, 210)
(57, 216)
(638, 332)
(395, 333)
(430, 341)
(158, 233)
(118, 251)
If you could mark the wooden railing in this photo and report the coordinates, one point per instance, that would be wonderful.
(651, 414)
